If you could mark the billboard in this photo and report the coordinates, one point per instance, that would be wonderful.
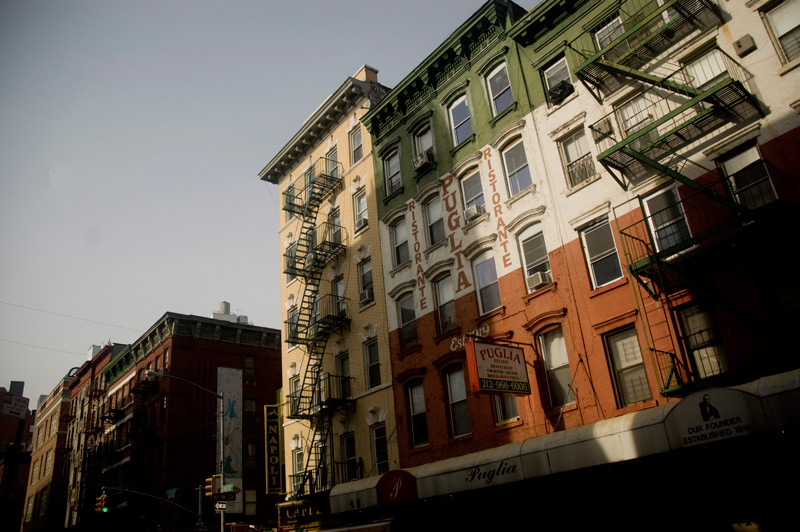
(497, 368)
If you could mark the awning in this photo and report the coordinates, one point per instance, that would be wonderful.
(397, 485)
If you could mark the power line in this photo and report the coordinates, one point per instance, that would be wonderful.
(71, 317)
(40, 347)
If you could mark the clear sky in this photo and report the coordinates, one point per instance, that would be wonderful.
(131, 136)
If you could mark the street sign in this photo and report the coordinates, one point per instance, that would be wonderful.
(221, 506)
(227, 496)
(227, 487)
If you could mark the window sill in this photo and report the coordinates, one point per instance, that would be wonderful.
(583, 184)
(508, 424)
(365, 306)
(409, 351)
(400, 267)
(421, 448)
(499, 311)
(608, 287)
(425, 171)
(361, 229)
(551, 287)
(556, 410)
(393, 195)
(446, 334)
(430, 249)
(788, 67)
(461, 437)
(465, 142)
(551, 108)
(508, 110)
(529, 190)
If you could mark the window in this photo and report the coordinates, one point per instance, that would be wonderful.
(43, 501)
(488, 286)
(343, 371)
(499, 89)
(557, 81)
(360, 205)
(349, 460)
(534, 256)
(459, 120)
(627, 367)
(784, 23)
(294, 394)
(35, 471)
(457, 401)
(608, 32)
(380, 449)
(473, 191)
(400, 242)
(365, 282)
(505, 407)
(416, 414)
(666, 218)
(445, 304)
(356, 148)
(289, 198)
(601, 254)
(408, 321)
(166, 358)
(433, 216)
(423, 139)
(373, 364)
(249, 372)
(298, 468)
(29, 509)
(291, 321)
(339, 302)
(700, 340)
(580, 165)
(636, 115)
(250, 502)
(517, 172)
(707, 70)
(749, 178)
(391, 169)
(291, 262)
(335, 226)
(250, 416)
(556, 364)
(332, 163)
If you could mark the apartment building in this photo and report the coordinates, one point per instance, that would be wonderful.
(339, 418)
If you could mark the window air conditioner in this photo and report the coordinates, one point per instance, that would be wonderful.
(602, 130)
(538, 280)
(366, 296)
(422, 160)
(559, 92)
(361, 222)
(473, 211)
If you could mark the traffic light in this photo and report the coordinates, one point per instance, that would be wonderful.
(210, 486)
(100, 504)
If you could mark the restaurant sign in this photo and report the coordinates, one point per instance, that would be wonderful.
(497, 368)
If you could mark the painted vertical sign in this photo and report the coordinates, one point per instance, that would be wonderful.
(272, 441)
(229, 383)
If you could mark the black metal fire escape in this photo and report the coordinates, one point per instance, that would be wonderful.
(316, 317)
(676, 112)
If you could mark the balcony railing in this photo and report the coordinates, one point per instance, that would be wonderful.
(321, 178)
(326, 391)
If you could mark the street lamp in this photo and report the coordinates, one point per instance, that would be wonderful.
(160, 375)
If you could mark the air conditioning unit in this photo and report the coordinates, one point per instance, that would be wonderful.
(361, 222)
(602, 130)
(422, 160)
(473, 211)
(366, 296)
(559, 92)
(538, 280)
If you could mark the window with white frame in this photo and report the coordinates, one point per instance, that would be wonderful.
(299, 469)
(433, 217)
(372, 363)
(460, 120)
(505, 407)
(607, 33)
(400, 242)
(635, 115)
(445, 303)
(291, 321)
(332, 163)
(783, 21)
(356, 146)
(487, 284)
(578, 158)
(335, 226)
(556, 363)
(748, 178)
(343, 371)
(457, 402)
(515, 161)
(707, 70)
(601, 254)
(349, 458)
(289, 198)
(499, 88)
(367, 294)
(557, 81)
(417, 415)
(408, 321)
(534, 257)
(339, 300)
(291, 262)
(391, 169)
(360, 206)
(472, 189)
(423, 139)
(380, 449)
(667, 219)
(701, 342)
(627, 367)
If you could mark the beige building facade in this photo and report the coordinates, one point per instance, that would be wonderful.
(339, 419)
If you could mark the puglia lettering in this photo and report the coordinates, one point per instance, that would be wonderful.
(488, 475)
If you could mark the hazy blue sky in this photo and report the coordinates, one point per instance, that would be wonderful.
(131, 136)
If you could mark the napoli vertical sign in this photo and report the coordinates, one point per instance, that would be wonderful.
(497, 368)
(272, 440)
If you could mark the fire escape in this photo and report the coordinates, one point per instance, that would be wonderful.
(682, 107)
(317, 315)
